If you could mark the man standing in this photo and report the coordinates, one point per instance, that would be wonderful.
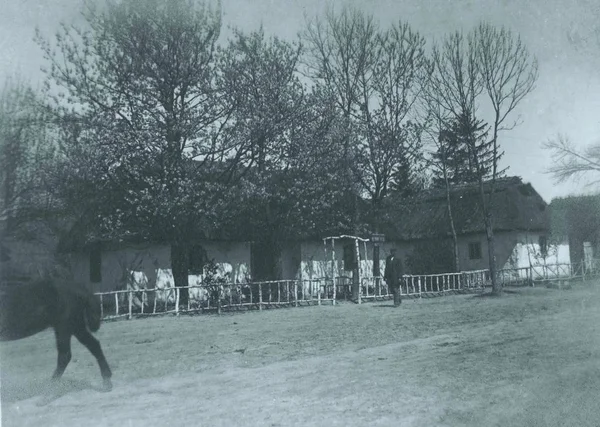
(393, 275)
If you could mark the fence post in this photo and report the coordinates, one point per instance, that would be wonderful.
(318, 294)
(130, 304)
(334, 290)
(278, 293)
(419, 283)
(295, 293)
(530, 273)
(116, 304)
(177, 300)
(219, 299)
(259, 296)
(101, 307)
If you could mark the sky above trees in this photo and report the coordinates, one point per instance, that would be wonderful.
(559, 32)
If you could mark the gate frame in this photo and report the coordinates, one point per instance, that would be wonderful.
(359, 271)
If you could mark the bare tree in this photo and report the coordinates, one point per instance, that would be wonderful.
(570, 162)
(508, 72)
(452, 92)
(489, 66)
(340, 58)
(376, 78)
(392, 132)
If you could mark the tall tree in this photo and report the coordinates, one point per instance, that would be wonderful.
(271, 107)
(260, 77)
(340, 55)
(451, 94)
(508, 73)
(26, 154)
(139, 89)
(488, 66)
(300, 196)
(376, 77)
(453, 152)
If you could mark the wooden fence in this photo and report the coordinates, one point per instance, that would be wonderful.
(281, 293)
(216, 298)
(529, 276)
(293, 293)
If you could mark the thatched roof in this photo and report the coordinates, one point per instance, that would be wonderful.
(516, 206)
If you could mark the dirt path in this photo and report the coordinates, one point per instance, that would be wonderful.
(530, 358)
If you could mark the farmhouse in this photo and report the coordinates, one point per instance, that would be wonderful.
(106, 266)
(419, 228)
(423, 233)
(576, 220)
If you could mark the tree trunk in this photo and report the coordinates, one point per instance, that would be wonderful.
(496, 286)
(180, 267)
(452, 228)
(486, 207)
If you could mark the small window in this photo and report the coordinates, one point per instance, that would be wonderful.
(543, 241)
(96, 264)
(474, 250)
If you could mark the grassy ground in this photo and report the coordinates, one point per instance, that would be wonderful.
(530, 358)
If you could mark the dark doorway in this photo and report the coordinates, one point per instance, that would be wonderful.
(265, 261)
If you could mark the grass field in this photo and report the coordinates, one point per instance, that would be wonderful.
(530, 358)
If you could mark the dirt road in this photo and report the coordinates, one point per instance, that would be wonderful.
(530, 358)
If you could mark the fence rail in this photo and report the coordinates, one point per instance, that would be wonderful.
(550, 272)
(130, 303)
(258, 295)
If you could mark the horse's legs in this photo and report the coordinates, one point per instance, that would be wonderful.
(93, 345)
(63, 345)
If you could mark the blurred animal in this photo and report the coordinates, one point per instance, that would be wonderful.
(31, 307)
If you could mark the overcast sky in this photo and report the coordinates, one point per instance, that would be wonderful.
(566, 99)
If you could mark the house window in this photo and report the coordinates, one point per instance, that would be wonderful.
(543, 242)
(96, 264)
(474, 250)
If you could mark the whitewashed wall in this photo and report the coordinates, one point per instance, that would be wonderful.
(150, 266)
(316, 259)
(527, 252)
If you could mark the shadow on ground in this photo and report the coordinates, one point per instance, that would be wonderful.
(491, 295)
(387, 306)
(13, 391)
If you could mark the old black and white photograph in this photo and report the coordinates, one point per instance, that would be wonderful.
(299, 213)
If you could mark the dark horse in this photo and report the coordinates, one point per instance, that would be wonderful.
(31, 307)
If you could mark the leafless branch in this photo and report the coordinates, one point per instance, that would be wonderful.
(570, 162)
